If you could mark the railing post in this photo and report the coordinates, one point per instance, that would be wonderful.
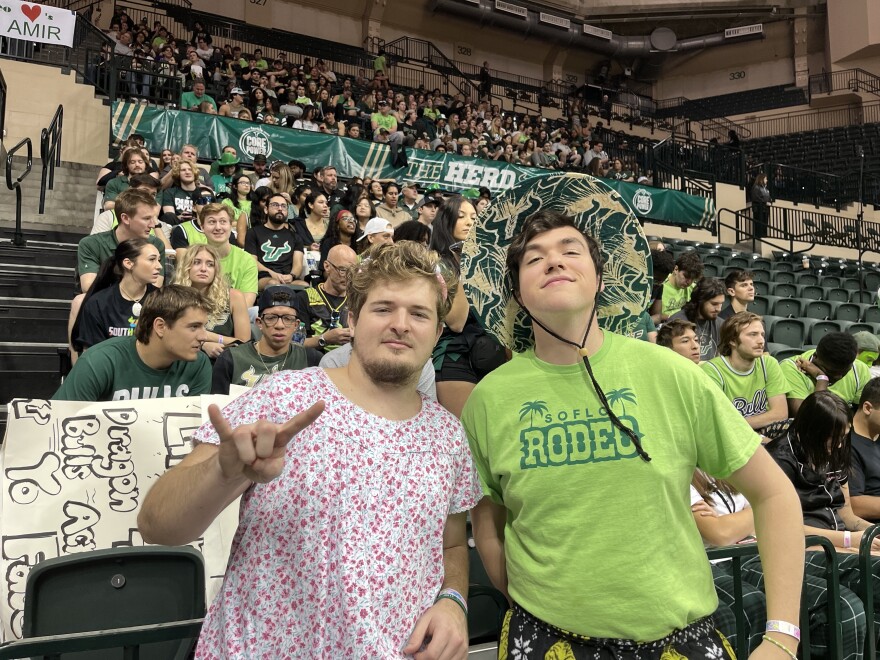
(18, 236)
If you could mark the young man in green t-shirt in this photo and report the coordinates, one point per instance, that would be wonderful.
(163, 359)
(586, 523)
(751, 380)
(239, 268)
(832, 365)
(679, 285)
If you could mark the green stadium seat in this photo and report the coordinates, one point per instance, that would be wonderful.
(822, 328)
(812, 291)
(769, 322)
(863, 327)
(784, 277)
(849, 312)
(761, 288)
(762, 263)
(739, 262)
(761, 275)
(840, 295)
(763, 304)
(852, 284)
(715, 260)
(787, 307)
(872, 281)
(784, 289)
(806, 278)
(783, 266)
(831, 281)
(790, 331)
(787, 353)
(866, 297)
(821, 309)
(872, 314)
(710, 270)
(773, 348)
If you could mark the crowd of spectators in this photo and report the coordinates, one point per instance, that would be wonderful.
(257, 261)
(306, 94)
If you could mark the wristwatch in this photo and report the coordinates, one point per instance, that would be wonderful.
(322, 342)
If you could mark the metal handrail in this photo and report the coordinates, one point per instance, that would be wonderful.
(854, 80)
(50, 154)
(2, 106)
(426, 53)
(18, 236)
(866, 587)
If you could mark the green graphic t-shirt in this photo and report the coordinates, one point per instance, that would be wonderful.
(673, 297)
(240, 270)
(598, 541)
(113, 371)
(799, 385)
(749, 392)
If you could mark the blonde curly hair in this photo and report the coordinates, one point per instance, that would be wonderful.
(217, 293)
(175, 170)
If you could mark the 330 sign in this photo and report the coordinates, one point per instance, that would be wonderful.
(734, 75)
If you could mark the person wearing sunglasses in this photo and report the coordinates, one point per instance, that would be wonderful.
(190, 232)
(248, 363)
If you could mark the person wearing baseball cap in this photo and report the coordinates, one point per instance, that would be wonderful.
(261, 171)
(377, 231)
(409, 193)
(234, 105)
(610, 432)
(426, 210)
(248, 363)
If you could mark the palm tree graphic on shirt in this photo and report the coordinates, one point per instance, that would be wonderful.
(530, 408)
(623, 396)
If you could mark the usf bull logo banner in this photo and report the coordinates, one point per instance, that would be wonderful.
(163, 128)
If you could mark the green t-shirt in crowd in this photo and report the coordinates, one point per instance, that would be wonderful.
(749, 392)
(388, 122)
(242, 365)
(379, 63)
(800, 385)
(94, 249)
(240, 270)
(643, 327)
(115, 187)
(599, 542)
(673, 297)
(189, 100)
(113, 371)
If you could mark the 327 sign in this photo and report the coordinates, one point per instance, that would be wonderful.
(34, 22)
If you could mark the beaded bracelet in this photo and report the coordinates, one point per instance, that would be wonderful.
(781, 646)
(784, 627)
(453, 595)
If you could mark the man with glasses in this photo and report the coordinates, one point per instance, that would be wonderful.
(276, 249)
(324, 308)
(247, 364)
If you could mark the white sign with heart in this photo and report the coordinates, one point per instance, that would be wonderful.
(33, 22)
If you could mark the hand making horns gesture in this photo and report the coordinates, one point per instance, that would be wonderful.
(256, 451)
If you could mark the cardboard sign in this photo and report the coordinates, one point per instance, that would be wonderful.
(33, 22)
(74, 475)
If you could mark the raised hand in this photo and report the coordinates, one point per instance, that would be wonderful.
(256, 451)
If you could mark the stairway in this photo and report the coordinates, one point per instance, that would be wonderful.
(70, 207)
(36, 286)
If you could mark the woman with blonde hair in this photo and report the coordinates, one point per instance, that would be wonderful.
(228, 321)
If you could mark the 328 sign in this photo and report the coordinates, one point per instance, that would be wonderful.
(464, 51)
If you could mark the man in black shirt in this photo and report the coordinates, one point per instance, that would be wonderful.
(864, 478)
(324, 308)
(277, 250)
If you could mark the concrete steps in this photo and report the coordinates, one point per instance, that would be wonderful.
(70, 206)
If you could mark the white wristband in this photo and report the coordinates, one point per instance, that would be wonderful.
(847, 539)
(785, 628)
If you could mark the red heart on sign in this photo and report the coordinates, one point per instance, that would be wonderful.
(31, 11)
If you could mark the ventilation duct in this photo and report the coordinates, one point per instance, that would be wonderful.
(519, 18)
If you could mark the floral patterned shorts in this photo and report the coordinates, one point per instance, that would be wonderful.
(525, 637)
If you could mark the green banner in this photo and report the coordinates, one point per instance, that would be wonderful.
(357, 158)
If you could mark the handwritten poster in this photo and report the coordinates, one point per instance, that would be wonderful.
(33, 22)
(73, 476)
